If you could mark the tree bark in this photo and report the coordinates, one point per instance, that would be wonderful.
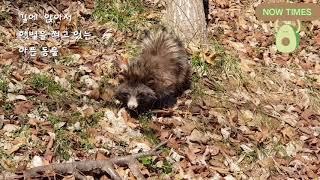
(187, 19)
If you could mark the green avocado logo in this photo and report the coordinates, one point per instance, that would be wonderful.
(287, 38)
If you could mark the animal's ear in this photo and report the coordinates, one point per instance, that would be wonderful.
(150, 82)
(122, 76)
(163, 28)
(145, 34)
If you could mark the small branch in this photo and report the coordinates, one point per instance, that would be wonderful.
(79, 176)
(135, 169)
(109, 169)
(79, 167)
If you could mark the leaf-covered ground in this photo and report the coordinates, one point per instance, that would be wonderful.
(252, 112)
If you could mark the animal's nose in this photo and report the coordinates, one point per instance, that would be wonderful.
(132, 103)
(131, 106)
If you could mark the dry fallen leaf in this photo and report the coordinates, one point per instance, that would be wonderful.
(293, 148)
(317, 39)
(15, 148)
(290, 119)
(95, 94)
(107, 94)
(23, 107)
(226, 132)
(37, 161)
(197, 136)
(89, 111)
(288, 132)
(222, 3)
(100, 156)
(10, 128)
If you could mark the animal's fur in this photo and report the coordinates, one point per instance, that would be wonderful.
(160, 72)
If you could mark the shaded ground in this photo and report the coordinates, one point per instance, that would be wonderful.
(252, 112)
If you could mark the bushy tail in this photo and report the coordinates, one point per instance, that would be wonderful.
(162, 43)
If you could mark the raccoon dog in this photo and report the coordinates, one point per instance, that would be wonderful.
(161, 72)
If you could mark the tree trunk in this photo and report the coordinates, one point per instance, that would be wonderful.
(187, 19)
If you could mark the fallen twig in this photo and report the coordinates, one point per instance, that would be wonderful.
(79, 168)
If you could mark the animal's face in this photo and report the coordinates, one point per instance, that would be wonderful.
(135, 96)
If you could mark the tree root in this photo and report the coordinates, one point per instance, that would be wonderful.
(79, 168)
